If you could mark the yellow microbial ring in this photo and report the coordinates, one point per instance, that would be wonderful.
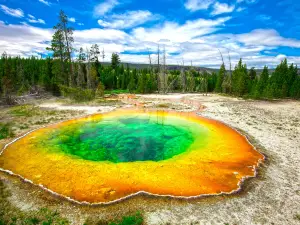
(107, 157)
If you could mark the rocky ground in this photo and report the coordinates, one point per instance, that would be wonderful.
(271, 198)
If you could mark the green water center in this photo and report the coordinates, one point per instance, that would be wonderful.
(123, 139)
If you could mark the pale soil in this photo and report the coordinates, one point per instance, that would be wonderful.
(271, 198)
(86, 109)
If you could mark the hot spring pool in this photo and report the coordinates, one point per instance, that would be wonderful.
(107, 157)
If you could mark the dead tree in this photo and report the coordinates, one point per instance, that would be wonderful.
(221, 57)
(230, 74)
(163, 74)
(103, 55)
(183, 77)
(150, 61)
(158, 57)
(158, 69)
(88, 69)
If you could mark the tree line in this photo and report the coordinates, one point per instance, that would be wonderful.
(80, 74)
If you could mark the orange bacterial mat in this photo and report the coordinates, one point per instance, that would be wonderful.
(107, 157)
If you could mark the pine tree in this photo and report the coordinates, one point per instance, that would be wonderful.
(240, 79)
(81, 56)
(279, 81)
(115, 60)
(131, 86)
(295, 88)
(252, 80)
(212, 81)
(220, 78)
(141, 87)
(61, 45)
(291, 77)
(94, 53)
(58, 49)
(262, 83)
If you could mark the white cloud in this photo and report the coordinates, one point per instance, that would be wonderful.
(180, 33)
(36, 21)
(12, 12)
(105, 7)
(72, 19)
(80, 24)
(263, 17)
(195, 5)
(32, 19)
(23, 40)
(240, 9)
(95, 35)
(220, 8)
(31, 16)
(247, 1)
(128, 20)
(194, 40)
(267, 37)
(45, 2)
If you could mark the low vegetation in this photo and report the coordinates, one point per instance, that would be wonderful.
(85, 78)
(6, 130)
(135, 219)
(77, 94)
(14, 216)
(11, 215)
(163, 105)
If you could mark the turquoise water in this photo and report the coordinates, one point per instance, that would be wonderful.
(123, 139)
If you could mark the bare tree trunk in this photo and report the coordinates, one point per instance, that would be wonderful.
(158, 69)
(164, 72)
(150, 61)
(183, 77)
(70, 75)
(88, 70)
(158, 57)
(80, 78)
(221, 57)
(230, 78)
(103, 55)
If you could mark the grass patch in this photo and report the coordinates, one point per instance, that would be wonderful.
(135, 219)
(23, 126)
(14, 216)
(77, 94)
(30, 111)
(5, 130)
(23, 110)
(162, 105)
(297, 217)
(108, 102)
(116, 92)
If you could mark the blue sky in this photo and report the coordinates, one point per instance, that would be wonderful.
(262, 32)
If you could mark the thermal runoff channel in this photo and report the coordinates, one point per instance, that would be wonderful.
(107, 157)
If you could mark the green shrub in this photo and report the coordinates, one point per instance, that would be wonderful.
(77, 94)
(30, 111)
(9, 214)
(23, 110)
(136, 219)
(5, 131)
(100, 90)
(162, 105)
(116, 92)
